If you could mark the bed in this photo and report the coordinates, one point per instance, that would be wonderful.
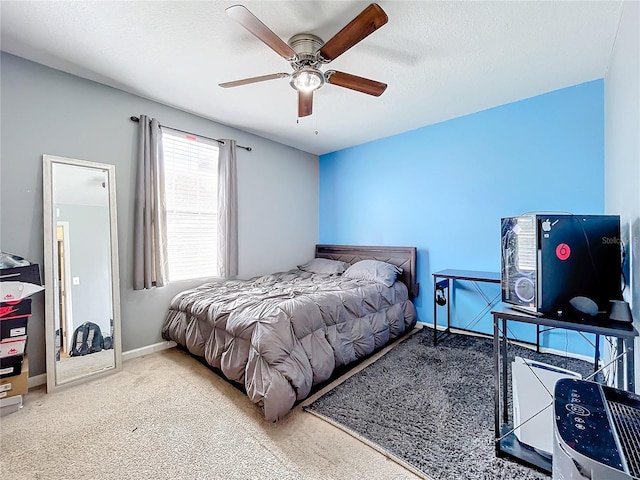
(279, 335)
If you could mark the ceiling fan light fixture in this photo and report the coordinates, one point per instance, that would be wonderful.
(307, 79)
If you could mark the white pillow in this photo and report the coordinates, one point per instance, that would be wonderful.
(373, 270)
(324, 265)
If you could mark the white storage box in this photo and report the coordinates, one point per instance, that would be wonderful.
(11, 291)
(10, 405)
(533, 386)
(11, 347)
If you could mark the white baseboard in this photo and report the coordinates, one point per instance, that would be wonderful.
(139, 352)
(562, 353)
(41, 379)
(33, 382)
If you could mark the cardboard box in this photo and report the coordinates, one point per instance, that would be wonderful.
(10, 366)
(10, 405)
(28, 274)
(16, 384)
(11, 347)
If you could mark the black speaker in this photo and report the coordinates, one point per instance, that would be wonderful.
(620, 312)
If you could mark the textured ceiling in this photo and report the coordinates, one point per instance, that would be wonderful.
(441, 59)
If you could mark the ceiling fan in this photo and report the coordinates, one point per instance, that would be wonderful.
(306, 53)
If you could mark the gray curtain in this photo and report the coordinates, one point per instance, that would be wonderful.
(227, 210)
(150, 233)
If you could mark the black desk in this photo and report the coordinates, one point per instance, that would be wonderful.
(625, 334)
(447, 281)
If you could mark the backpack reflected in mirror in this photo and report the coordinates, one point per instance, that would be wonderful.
(87, 338)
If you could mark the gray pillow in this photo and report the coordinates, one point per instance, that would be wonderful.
(324, 265)
(373, 270)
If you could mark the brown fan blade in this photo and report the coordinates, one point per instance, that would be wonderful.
(246, 81)
(249, 21)
(367, 22)
(305, 103)
(360, 84)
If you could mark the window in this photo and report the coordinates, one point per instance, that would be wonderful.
(191, 193)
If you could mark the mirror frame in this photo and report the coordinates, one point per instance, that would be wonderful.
(47, 177)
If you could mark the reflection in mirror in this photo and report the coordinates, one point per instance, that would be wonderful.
(81, 271)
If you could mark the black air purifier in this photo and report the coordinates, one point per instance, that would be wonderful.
(596, 432)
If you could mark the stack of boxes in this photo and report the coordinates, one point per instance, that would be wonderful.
(16, 284)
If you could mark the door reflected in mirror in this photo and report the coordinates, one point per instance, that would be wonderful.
(80, 270)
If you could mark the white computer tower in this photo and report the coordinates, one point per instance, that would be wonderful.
(533, 385)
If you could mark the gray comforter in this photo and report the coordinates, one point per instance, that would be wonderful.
(278, 335)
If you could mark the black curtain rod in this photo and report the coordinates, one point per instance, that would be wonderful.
(248, 149)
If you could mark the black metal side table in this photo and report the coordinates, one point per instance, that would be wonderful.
(446, 280)
(506, 442)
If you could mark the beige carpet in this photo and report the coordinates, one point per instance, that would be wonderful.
(70, 368)
(166, 416)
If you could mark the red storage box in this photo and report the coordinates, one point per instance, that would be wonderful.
(17, 309)
(14, 317)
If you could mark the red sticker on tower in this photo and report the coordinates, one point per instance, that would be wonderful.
(563, 251)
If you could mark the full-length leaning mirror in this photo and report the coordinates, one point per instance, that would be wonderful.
(82, 296)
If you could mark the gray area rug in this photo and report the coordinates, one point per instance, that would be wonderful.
(432, 407)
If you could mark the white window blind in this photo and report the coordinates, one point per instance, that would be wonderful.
(191, 177)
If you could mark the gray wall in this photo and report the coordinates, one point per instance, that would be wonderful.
(622, 149)
(44, 111)
(89, 261)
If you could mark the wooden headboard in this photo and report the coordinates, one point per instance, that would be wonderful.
(403, 257)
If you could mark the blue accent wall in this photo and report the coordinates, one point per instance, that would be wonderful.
(443, 189)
